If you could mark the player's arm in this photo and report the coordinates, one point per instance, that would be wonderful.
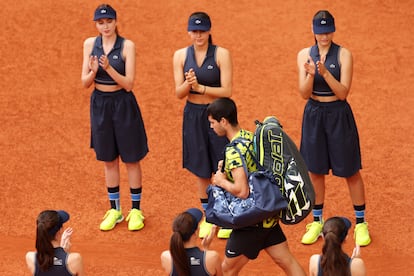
(166, 261)
(89, 64)
(341, 88)
(306, 69)
(75, 264)
(127, 81)
(239, 187)
(182, 87)
(358, 267)
(30, 261)
(213, 263)
(313, 265)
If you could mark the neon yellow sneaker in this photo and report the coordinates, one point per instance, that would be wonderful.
(135, 220)
(224, 233)
(204, 229)
(313, 232)
(361, 234)
(111, 218)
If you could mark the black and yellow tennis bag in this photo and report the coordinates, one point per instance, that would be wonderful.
(277, 153)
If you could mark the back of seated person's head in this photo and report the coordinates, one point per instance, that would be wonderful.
(334, 260)
(184, 227)
(48, 223)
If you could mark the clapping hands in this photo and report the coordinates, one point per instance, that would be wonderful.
(65, 239)
(209, 238)
(356, 253)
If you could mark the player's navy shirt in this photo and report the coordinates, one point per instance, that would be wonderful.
(208, 73)
(320, 87)
(114, 57)
(59, 267)
(197, 262)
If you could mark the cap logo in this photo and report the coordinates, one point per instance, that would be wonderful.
(197, 21)
(323, 22)
(103, 11)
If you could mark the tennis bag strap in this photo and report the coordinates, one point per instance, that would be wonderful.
(276, 152)
(243, 142)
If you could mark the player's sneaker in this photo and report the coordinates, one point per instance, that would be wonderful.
(135, 220)
(204, 229)
(361, 234)
(111, 218)
(224, 233)
(313, 232)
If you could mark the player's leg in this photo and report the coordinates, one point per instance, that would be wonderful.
(314, 150)
(135, 217)
(282, 256)
(232, 266)
(314, 229)
(202, 184)
(112, 178)
(357, 192)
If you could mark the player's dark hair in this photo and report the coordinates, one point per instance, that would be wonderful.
(183, 229)
(334, 260)
(202, 15)
(46, 221)
(322, 14)
(223, 108)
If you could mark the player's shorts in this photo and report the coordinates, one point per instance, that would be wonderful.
(249, 241)
(330, 138)
(117, 128)
(202, 148)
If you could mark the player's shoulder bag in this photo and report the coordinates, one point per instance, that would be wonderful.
(276, 152)
(264, 201)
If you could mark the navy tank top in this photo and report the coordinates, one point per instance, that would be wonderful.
(115, 58)
(59, 267)
(320, 273)
(197, 262)
(320, 87)
(208, 73)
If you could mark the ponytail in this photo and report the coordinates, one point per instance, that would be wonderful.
(183, 229)
(334, 260)
(45, 250)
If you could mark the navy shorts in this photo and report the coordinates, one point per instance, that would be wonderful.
(330, 139)
(249, 241)
(202, 148)
(117, 128)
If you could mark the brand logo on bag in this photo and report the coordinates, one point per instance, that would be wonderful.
(276, 141)
(295, 193)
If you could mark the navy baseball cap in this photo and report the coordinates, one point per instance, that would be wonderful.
(104, 12)
(323, 25)
(63, 217)
(197, 216)
(347, 223)
(199, 24)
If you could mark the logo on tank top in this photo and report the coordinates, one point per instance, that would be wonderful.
(210, 67)
(195, 261)
(115, 57)
(57, 261)
(332, 66)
